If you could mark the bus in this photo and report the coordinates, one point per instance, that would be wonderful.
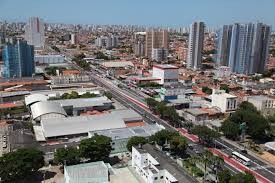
(241, 158)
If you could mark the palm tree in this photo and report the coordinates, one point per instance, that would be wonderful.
(205, 159)
(217, 162)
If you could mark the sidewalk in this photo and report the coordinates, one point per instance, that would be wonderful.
(249, 151)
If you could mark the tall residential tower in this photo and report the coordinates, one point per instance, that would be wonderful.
(244, 47)
(195, 45)
(34, 31)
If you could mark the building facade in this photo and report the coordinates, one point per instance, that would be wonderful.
(195, 45)
(155, 39)
(18, 60)
(244, 47)
(166, 73)
(159, 54)
(263, 104)
(149, 168)
(139, 44)
(107, 42)
(225, 102)
(35, 32)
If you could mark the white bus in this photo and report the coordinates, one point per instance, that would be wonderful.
(241, 158)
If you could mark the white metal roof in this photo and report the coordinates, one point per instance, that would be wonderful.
(55, 127)
(118, 64)
(40, 108)
(83, 102)
(270, 145)
(37, 97)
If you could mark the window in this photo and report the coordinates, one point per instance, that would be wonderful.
(156, 178)
(161, 177)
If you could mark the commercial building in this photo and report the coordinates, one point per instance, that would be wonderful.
(244, 47)
(167, 73)
(68, 127)
(156, 39)
(121, 136)
(195, 115)
(159, 54)
(264, 104)
(154, 167)
(174, 91)
(139, 43)
(225, 102)
(72, 107)
(195, 45)
(34, 31)
(94, 172)
(49, 59)
(115, 68)
(18, 60)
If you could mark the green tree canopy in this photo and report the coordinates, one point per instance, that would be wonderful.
(243, 178)
(206, 90)
(96, 148)
(67, 156)
(18, 165)
(134, 141)
(225, 88)
(224, 176)
(205, 134)
(230, 129)
(163, 136)
(108, 95)
(178, 145)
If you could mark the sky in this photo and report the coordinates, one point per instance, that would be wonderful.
(173, 13)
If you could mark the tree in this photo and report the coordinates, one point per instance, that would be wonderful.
(152, 103)
(134, 141)
(178, 145)
(258, 127)
(20, 164)
(243, 178)
(163, 136)
(224, 87)
(108, 95)
(230, 129)
(224, 176)
(96, 148)
(206, 90)
(67, 156)
(205, 134)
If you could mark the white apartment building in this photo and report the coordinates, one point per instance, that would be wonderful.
(224, 101)
(166, 73)
(34, 31)
(195, 45)
(149, 168)
(264, 104)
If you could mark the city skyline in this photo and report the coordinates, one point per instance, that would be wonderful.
(177, 14)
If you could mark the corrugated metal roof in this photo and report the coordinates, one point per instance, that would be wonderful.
(40, 108)
(83, 124)
(37, 97)
(88, 172)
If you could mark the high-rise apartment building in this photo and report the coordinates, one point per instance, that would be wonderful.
(223, 45)
(139, 43)
(244, 47)
(18, 59)
(107, 42)
(34, 31)
(155, 39)
(195, 45)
